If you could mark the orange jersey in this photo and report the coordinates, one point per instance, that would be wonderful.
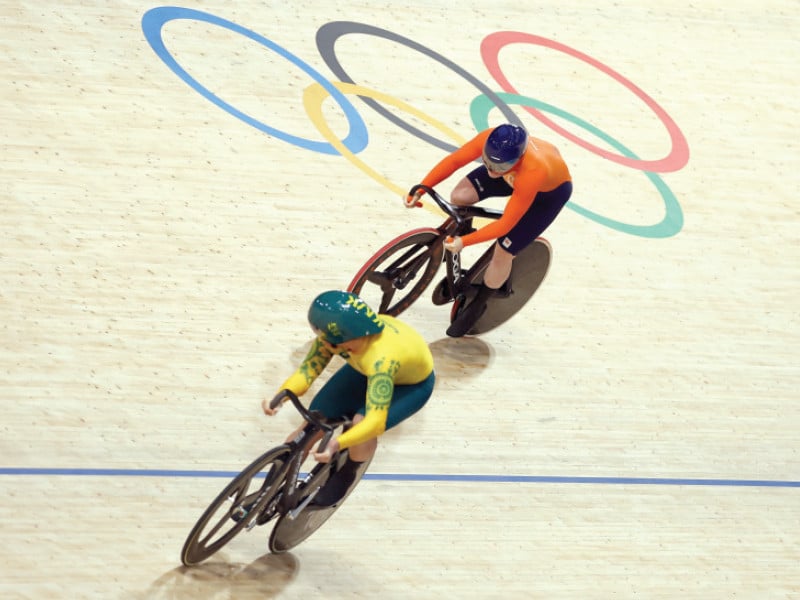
(541, 169)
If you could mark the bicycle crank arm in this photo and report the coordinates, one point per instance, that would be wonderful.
(292, 514)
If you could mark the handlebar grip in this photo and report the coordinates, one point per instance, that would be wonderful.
(428, 190)
(280, 397)
(443, 204)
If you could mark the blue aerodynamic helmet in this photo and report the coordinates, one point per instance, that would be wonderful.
(504, 147)
(342, 316)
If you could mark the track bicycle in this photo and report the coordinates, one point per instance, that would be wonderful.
(272, 489)
(398, 274)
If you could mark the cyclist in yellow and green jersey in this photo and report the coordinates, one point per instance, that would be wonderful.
(388, 376)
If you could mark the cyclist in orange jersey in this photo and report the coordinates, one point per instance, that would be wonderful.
(531, 172)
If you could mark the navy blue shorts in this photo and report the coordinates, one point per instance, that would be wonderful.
(344, 394)
(540, 215)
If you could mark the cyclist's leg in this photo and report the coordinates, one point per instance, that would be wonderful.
(343, 394)
(544, 210)
(477, 185)
(340, 482)
(331, 399)
(499, 268)
(406, 400)
(464, 193)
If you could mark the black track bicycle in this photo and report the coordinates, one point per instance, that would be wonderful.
(400, 272)
(272, 489)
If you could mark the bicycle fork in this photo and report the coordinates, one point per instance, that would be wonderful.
(454, 272)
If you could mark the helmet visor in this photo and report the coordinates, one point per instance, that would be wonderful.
(497, 167)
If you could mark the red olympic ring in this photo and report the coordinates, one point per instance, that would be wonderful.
(675, 160)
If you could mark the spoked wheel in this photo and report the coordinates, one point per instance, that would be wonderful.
(528, 271)
(294, 527)
(398, 273)
(250, 499)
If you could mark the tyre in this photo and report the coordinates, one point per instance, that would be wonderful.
(249, 499)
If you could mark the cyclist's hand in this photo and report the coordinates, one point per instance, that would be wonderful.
(268, 410)
(454, 244)
(413, 200)
(330, 450)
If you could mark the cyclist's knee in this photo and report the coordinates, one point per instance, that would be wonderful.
(501, 256)
(464, 193)
(364, 451)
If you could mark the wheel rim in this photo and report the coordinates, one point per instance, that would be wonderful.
(252, 489)
(397, 275)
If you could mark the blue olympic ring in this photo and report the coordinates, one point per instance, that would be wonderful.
(154, 20)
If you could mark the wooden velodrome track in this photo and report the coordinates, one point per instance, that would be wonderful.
(170, 205)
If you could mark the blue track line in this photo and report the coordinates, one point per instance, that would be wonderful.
(420, 477)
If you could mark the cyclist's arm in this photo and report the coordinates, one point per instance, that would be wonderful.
(525, 189)
(313, 364)
(380, 387)
(457, 159)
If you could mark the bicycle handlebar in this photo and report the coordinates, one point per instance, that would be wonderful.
(443, 204)
(313, 417)
(458, 213)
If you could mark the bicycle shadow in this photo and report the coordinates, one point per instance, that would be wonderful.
(463, 358)
(265, 577)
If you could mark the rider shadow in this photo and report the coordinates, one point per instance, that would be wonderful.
(461, 358)
(265, 577)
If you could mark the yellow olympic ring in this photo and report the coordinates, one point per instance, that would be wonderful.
(315, 94)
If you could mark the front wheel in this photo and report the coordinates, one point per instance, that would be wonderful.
(249, 499)
(398, 273)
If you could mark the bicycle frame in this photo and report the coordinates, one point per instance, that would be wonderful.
(315, 423)
(458, 222)
(397, 275)
(288, 502)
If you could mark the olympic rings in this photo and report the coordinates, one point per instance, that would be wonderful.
(315, 94)
(330, 32)
(673, 219)
(675, 160)
(154, 20)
